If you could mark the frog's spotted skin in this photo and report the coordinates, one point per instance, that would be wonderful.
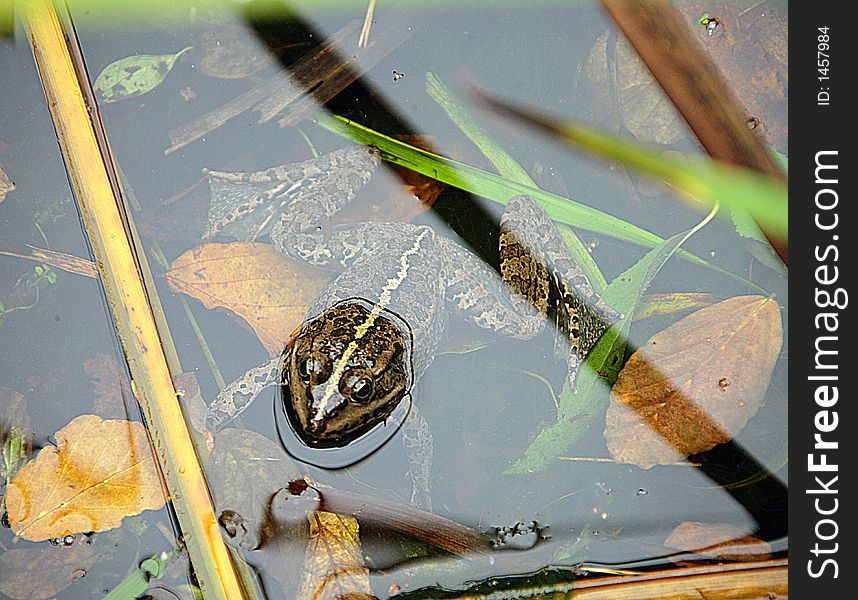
(379, 322)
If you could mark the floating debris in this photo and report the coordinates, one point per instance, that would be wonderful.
(710, 23)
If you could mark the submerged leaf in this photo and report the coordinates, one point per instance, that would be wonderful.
(135, 75)
(634, 96)
(112, 388)
(269, 292)
(100, 472)
(231, 52)
(721, 541)
(246, 470)
(37, 573)
(696, 384)
(333, 565)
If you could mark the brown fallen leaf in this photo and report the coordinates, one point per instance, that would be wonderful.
(269, 292)
(721, 541)
(37, 573)
(100, 472)
(696, 384)
(112, 386)
(333, 564)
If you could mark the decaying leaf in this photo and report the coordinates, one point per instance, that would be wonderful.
(111, 386)
(333, 565)
(39, 573)
(99, 472)
(6, 185)
(696, 384)
(134, 75)
(636, 100)
(719, 540)
(268, 291)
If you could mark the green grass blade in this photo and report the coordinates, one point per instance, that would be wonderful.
(763, 196)
(506, 165)
(494, 187)
(701, 178)
(500, 190)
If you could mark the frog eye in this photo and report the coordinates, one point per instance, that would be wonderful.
(362, 389)
(357, 388)
(308, 367)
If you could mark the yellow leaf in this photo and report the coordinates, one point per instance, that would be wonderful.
(99, 472)
(333, 565)
(268, 291)
(695, 384)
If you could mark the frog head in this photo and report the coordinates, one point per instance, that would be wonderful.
(344, 372)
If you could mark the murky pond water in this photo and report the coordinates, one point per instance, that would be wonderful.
(524, 479)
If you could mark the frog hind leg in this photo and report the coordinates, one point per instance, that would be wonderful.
(245, 205)
(303, 228)
(536, 264)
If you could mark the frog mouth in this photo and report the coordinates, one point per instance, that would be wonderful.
(345, 449)
(322, 430)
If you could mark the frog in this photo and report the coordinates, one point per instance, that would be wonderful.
(375, 329)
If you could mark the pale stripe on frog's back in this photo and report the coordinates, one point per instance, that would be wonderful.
(384, 304)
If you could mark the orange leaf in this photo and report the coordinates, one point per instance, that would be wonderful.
(269, 292)
(100, 472)
(696, 384)
(333, 565)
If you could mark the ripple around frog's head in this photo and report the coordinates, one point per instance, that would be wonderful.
(345, 372)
